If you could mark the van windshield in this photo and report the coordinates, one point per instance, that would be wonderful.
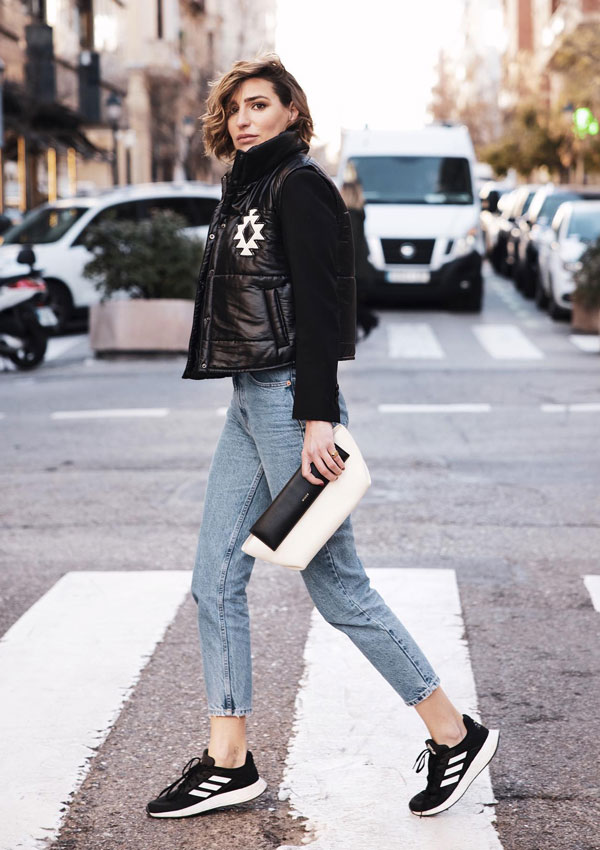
(42, 225)
(414, 179)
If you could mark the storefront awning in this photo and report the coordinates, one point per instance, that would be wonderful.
(44, 125)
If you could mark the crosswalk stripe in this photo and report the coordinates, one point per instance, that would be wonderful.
(506, 342)
(593, 585)
(413, 340)
(66, 667)
(349, 765)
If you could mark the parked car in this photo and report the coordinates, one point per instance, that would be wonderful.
(574, 226)
(533, 225)
(421, 213)
(508, 233)
(56, 231)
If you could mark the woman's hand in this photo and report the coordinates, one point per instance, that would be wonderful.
(318, 445)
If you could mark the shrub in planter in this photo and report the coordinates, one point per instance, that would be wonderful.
(146, 259)
(154, 266)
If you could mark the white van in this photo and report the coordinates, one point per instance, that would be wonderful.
(422, 213)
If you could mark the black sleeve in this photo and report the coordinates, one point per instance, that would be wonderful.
(309, 232)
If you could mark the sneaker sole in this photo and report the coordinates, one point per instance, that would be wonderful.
(229, 798)
(479, 763)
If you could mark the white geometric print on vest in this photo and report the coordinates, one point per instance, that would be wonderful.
(244, 245)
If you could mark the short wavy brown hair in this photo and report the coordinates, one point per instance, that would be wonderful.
(268, 66)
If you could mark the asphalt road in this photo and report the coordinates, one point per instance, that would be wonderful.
(503, 490)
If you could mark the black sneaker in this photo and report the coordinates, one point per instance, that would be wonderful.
(203, 787)
(452, 769)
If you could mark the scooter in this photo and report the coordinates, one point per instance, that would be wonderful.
(25, 318)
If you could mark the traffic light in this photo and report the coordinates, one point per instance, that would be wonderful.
(585, 122)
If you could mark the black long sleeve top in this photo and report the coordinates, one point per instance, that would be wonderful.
(308, 223)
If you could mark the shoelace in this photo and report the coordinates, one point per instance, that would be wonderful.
(420, 760)
(437, 765)
(190, 775)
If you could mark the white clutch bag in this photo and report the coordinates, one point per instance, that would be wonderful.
(290, 534)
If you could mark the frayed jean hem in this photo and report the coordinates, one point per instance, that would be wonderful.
(222, 712)
(427, 693)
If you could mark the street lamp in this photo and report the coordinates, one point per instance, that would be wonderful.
(188, 129)
(114, 109)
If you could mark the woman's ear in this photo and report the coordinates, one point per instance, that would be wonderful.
(293, 113)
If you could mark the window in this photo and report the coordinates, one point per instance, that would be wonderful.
(584, 225)
(159, 19)
(196, 211)
(85, 24)
(128, 211)
(41, 226)
(414, 179)
(552, 203)
(37, 10)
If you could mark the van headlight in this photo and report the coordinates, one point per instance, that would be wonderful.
(467, 243)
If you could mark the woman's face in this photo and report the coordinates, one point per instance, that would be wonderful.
(255, 113)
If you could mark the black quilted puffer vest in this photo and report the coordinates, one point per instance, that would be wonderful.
(244, 311)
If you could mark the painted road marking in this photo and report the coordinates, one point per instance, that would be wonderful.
(434, 408)
(349, 765)
(413, 340)
(115, 413)
(586, 342)
(506, 342)
(57, 346)
(66, 667)
(579, 407)
(593, 585)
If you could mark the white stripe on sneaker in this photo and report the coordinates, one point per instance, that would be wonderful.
(218, 801)
(198, 793)
(459, 757)
(210, 786)
(223, 779)
(450, 781)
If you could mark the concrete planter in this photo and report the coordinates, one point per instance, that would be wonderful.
(161, 324)
(584, 320)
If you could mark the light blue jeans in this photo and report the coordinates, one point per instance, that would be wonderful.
(258, 451)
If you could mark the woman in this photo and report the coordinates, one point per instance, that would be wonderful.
(365, 273)
(275, 310)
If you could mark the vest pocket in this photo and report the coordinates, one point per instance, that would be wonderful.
(276, 318)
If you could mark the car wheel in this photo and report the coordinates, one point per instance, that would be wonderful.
(33, 348)
(555, 311)
(526, 282)
(59, 298)
(470, 301)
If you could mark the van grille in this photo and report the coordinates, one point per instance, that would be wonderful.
(422, 251)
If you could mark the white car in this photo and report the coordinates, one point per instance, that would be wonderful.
(56, 230)
(574, 226)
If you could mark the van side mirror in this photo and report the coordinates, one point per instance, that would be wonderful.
(26, 256)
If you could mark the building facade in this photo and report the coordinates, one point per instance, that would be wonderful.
(98, 92)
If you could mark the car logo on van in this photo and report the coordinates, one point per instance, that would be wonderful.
(408, 250)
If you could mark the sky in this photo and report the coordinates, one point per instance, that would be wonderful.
(368, 62)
